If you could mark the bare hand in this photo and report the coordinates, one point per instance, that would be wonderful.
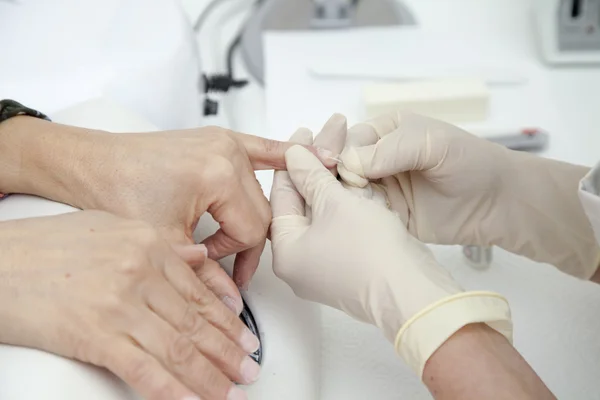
(114, 293)
(171, 178)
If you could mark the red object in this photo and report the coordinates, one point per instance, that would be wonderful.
(530, 131)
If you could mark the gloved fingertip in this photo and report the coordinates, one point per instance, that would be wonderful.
(302, 136)
(336, 120)
(350, 169)
(296, 152)
(350, 178)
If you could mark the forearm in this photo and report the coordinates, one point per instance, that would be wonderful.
(45, 159)
(479, 363)
(546, 221)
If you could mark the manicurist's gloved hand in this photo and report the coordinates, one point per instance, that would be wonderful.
(112, 292)
(450, 187)
(353, 254)
(166, 178)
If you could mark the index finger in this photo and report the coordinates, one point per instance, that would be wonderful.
(270, 154)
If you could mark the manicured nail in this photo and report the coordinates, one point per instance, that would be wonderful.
(235, 393)
(250, 370)
(232, 305)
(249, 342)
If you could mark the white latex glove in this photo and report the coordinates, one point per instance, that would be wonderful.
(450, 187)
(354, 255)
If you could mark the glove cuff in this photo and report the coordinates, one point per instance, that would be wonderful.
(426, 331)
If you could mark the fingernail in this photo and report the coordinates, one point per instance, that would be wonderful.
(235, 393)
(249, 342)
(232, 305)
(250, 370)
(242, 285)
(203, 249)
(191, 398)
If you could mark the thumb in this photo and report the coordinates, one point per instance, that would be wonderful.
(310, 177)
(397, 152)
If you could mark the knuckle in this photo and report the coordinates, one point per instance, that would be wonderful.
(180, 351)
(255, 234)
(112, 303)
(252, 231)
(201, 298)
(138, 371)
(220, 173)
(231, 322)
(146, 235)
(214, 379)
(191, 322)
(227, 145)
(134, 263)
(272, 146)
(226, 350)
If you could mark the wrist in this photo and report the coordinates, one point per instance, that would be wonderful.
(547, 222)
(479, 363)
(46, 159)
(428, 330)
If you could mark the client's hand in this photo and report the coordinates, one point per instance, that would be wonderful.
(112, 292)
(166, 178)
(171, 178)
(353, 254)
